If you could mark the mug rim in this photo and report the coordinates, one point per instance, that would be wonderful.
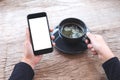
(75, 19)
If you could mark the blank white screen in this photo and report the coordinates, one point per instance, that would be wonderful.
(40, 33)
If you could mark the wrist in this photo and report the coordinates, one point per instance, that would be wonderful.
(108, 55)
(28, 62)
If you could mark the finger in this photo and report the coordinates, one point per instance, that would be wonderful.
(53, 44)
(27, 47)
(51, 30)
(91, 36)
(94, 53)
(27, 34)
(52, 37)
(39, 56)
(92, 49)
(89, 46)
(86, 41)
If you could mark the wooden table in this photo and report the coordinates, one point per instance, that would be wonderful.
(101, 16)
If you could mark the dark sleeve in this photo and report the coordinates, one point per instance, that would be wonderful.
(22, 71)
(112, 68)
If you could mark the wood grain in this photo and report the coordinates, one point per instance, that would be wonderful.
(101, 16)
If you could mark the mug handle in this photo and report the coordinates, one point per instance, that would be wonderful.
(54, 31)
(86, 37)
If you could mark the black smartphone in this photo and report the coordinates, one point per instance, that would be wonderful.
(39, 33)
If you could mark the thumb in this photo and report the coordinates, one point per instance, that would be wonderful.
(90, 36)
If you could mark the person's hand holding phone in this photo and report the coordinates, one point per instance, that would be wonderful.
(29, 56)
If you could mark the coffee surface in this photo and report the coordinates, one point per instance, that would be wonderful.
(72, 31)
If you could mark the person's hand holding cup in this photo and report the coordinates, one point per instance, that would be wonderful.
(99, 47)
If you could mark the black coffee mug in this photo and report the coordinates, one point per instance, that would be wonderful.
(73, 30)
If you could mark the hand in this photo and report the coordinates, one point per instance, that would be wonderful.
(99, 47)
(29, 56)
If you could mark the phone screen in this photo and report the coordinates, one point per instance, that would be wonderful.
(40, 33)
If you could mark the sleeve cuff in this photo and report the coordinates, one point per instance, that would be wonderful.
(110, 61)
(22, 71)
(28, 71)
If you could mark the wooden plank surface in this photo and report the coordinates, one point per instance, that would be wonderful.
(101, 16)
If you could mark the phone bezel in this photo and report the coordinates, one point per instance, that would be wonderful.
(37, 15)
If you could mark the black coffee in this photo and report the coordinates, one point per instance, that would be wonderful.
(72, 31)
